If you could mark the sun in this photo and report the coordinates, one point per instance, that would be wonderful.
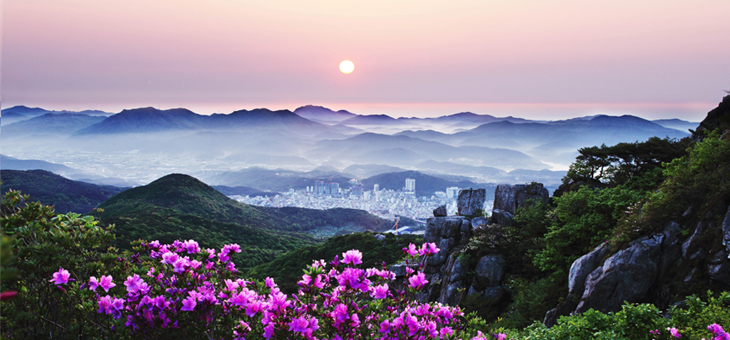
(347, 67)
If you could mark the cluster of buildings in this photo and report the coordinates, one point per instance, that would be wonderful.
(383, 203)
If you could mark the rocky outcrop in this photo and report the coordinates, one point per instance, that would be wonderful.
(647, 269)
(453, 278)
(625, 276)
(507, 198)
(440, 211)
(471, 202)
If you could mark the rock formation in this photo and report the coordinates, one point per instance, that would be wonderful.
(507, 198)
(650, 268)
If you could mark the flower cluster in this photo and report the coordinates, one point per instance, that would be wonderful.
(190, 289)
(718, 332)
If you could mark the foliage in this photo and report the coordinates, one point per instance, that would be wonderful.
(531, 298)
(582, 220)
(64, 194)
(635, 321)
(286, 269)
(155, 223)
(42, 241)
(619, 164)
(700, 180)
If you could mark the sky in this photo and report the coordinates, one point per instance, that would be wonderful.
(529, 58)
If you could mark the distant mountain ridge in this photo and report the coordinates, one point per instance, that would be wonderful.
(50, 189)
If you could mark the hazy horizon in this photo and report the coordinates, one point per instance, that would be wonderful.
(528, 58)
(694, 112)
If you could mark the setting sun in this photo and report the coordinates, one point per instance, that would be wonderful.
(347, 67)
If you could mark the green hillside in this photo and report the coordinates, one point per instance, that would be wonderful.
(179, 206)
(50, 189)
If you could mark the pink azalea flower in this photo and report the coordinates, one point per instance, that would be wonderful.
(352, 256)
(189, 304)
(61, 277)
(674, 331)
(299, 324)
(135, 284)
(418, 281)
(411, 250)
(428, 249)
(446, 331)
(380, 292)
(106, 283)
(500, 336)
(269, 331)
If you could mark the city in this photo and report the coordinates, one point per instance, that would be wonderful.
(383, 203)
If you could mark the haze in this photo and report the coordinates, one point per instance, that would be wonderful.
(535, 59)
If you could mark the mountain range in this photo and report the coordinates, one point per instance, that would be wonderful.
(140, 145)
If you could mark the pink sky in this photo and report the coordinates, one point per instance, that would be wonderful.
(536, 59)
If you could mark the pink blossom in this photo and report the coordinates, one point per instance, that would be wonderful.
(446, 331)
(411, 250)
(674, 331)
(135, 284)
(269, 331)
(417, 281)
(500, 336)
(428, 249)
(380, 292)
(62, 276)
(189, 304)
(352, 256)
(191, 247)
(105, 283)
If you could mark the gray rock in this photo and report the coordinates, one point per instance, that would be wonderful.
(726, 231)
(583, 266)
(719, 267)
(504, 218)
(471, 201)
(689, 242)
(672, 247)
(440, 211)
(489, 271)
(510, 197)
(479, 221)
(400, 268)
(625, 276)
(443, 227)
(492, 295)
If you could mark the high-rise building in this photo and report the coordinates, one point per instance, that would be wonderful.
(376, 187)
(410, 185)
(452, 193)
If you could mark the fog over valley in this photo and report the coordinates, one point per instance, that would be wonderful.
(137, 146)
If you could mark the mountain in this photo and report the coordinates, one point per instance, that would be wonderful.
(147, 119)
(426, 185)
(370, 120)
(51, 123)
(50, 189)
(276, 180)
(406, 152)
(243, 191)
(12, 163)
(677, 124)
(369, 170)
(179, 206)
(323, 114)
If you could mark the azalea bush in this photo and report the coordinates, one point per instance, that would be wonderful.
(194, 292)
